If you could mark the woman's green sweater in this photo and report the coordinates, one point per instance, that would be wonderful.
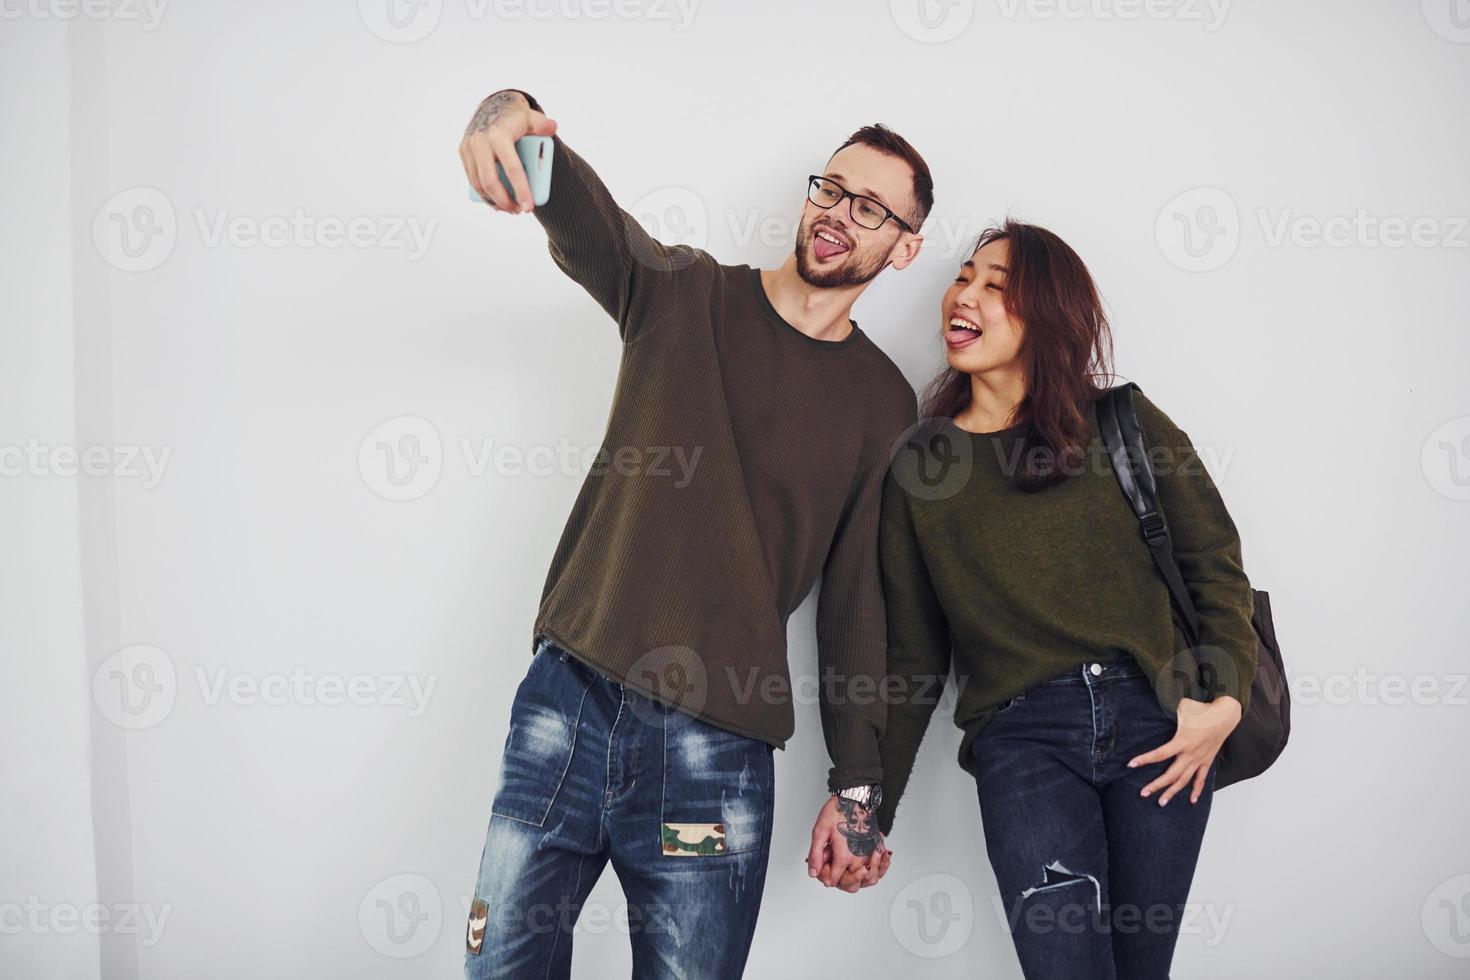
(1014, 588)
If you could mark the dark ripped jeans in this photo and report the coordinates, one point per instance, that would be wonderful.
(592, 773)
(1093, 878)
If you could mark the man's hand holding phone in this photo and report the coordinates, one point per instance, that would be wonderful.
(490, 142)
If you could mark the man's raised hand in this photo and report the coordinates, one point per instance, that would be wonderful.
(490, 138)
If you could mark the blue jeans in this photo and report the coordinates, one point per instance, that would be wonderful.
(595, 772)
(1093, 878)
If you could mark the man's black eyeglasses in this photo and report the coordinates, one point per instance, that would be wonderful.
(867, 212)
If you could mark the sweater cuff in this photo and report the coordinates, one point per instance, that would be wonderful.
(889, 807)
(1243, 671)
(529, 98)
(1220, 672)
(845, 777)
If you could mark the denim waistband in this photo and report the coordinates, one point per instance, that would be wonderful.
(1093, 671)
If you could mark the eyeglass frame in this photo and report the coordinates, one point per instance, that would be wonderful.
(851, 197)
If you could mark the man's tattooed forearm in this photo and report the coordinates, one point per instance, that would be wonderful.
(858, 826)
(490, 110)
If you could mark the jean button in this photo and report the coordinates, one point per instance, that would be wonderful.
(1096, 669)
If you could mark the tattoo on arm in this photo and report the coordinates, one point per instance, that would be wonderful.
(490, 110)
(858, 826)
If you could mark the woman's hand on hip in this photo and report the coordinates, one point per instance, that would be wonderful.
(1203, 728)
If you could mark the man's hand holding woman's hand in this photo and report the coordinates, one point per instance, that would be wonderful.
(847, 850)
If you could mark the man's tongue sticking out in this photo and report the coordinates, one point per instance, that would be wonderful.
(825, 248)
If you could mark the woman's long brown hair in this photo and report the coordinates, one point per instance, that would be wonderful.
(1066, 353)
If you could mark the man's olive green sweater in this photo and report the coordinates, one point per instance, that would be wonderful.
(1014, 588)
(742, 460)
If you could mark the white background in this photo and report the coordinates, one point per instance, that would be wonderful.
(290, 839)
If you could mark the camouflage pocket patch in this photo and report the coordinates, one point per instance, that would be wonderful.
(693, 839)
(474, 939)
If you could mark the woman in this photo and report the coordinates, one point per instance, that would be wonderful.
(1008, 545)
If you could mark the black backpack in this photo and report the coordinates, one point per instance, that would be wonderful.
(1262, 733)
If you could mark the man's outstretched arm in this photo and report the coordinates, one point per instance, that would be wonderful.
(592, 239)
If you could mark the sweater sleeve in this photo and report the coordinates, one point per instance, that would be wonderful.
(1206, 549)
(918, 646)
(851, 625)
(602, 247)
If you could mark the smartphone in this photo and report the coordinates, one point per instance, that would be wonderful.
(536, 153)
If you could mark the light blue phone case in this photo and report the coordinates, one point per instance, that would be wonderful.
(536, 153)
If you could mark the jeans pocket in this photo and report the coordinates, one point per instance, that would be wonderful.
(718, 790)
(1008, 705)
(543, 735)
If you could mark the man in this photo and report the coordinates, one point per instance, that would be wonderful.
(644, 731)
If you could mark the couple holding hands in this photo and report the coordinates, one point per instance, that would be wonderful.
(978, 530)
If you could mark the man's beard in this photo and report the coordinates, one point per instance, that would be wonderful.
(847, 274)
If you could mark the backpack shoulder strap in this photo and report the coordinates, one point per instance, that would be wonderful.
(1127, 450)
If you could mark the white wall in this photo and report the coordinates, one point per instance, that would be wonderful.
(264, 836)
(48, 869)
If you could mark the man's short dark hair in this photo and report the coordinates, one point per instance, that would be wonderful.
(880, 137)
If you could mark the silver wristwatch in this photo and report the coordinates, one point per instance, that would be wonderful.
(869, 796)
